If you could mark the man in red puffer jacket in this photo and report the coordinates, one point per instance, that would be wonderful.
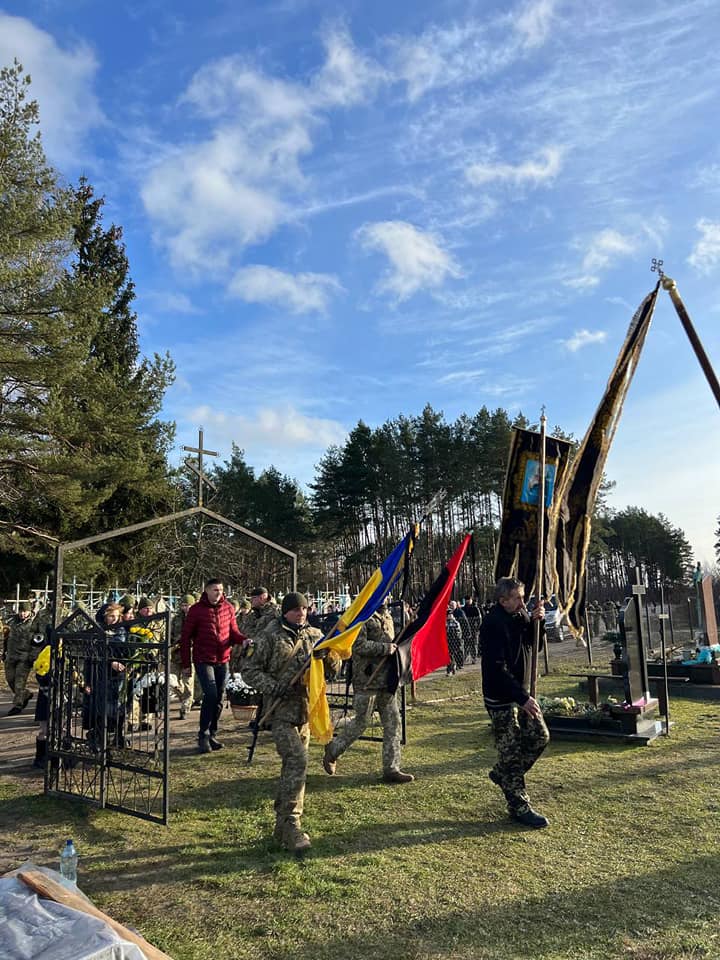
(208, 635)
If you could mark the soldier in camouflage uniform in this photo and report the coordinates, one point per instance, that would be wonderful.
(185, 684)
(520, 733)
(263, 611)
(374, 644)
(4, 634)
(271, 660)
(20, 654)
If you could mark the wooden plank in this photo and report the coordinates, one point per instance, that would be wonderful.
(51, 890)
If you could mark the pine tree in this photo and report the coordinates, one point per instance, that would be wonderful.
(81, 449)
(122, 392)
(45, 332)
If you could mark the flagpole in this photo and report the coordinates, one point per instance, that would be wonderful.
(400, 637)
(539, 566)
(704, 360)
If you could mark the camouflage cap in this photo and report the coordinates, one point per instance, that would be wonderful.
(189, 599)
(127, 602)
(24, 606)
(144, 602)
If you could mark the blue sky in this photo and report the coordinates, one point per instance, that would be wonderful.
(344, 211)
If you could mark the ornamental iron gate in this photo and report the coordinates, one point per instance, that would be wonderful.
(108, 725)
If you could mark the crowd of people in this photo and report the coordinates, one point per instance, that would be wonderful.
(271, 645)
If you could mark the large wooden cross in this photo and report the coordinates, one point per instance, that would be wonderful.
(198, 470)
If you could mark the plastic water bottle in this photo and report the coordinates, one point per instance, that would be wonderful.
(68, 864)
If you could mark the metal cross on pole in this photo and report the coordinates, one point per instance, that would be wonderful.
(198, 470)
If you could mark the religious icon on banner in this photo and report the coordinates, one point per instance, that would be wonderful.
(531, 483)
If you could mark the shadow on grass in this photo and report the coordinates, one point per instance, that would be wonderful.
(569, 923)
(202, 863)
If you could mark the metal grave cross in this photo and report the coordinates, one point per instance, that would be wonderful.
(198, 470)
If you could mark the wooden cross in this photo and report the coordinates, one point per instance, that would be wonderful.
(198, 470)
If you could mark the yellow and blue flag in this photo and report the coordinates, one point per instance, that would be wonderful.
(345, 631)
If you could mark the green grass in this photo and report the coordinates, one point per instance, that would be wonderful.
(629, 867)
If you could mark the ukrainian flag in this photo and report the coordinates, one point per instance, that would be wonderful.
(345, 631)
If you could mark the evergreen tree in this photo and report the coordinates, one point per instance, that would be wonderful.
(122, 392)
(45, 330)
(81, 450)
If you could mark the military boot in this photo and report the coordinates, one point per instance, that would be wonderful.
(529, 818)
(294, 839)
(40, 753)
(397, 776)
(329, 764)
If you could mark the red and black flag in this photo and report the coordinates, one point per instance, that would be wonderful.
(423, 645)
(571, 516)
(516, 554)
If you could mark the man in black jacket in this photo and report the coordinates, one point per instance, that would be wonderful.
(506, 637)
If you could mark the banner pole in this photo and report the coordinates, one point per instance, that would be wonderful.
(704, 360)
(539, 567)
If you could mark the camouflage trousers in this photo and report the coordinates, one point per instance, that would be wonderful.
(291, 743)
(17, 670)
(364, 702)
(520, 739)
(184, 689)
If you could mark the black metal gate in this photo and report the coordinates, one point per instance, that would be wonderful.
(108, 725)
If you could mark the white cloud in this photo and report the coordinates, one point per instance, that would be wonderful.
(300, 293)
(277, 427)
(583, 338)
(169, 301)
(347, 77)
(584, 282)
(464, 376)
(533, 23)
(708, 177)
(486, 383)
(545, 167)
(706, 252)
(416, 257)
(211, 198)
(229, 86)
(62, 82)
(606, 247)
(464, 52)
(421, 65)
(601, 251)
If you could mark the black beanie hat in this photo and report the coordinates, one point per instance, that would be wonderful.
(293, 600)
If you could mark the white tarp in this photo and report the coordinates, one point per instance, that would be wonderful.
(32, 928)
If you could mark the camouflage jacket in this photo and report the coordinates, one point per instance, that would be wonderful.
(178, 622)
(272, 659)
(372, 644)
(20, 641)
(254, 622)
